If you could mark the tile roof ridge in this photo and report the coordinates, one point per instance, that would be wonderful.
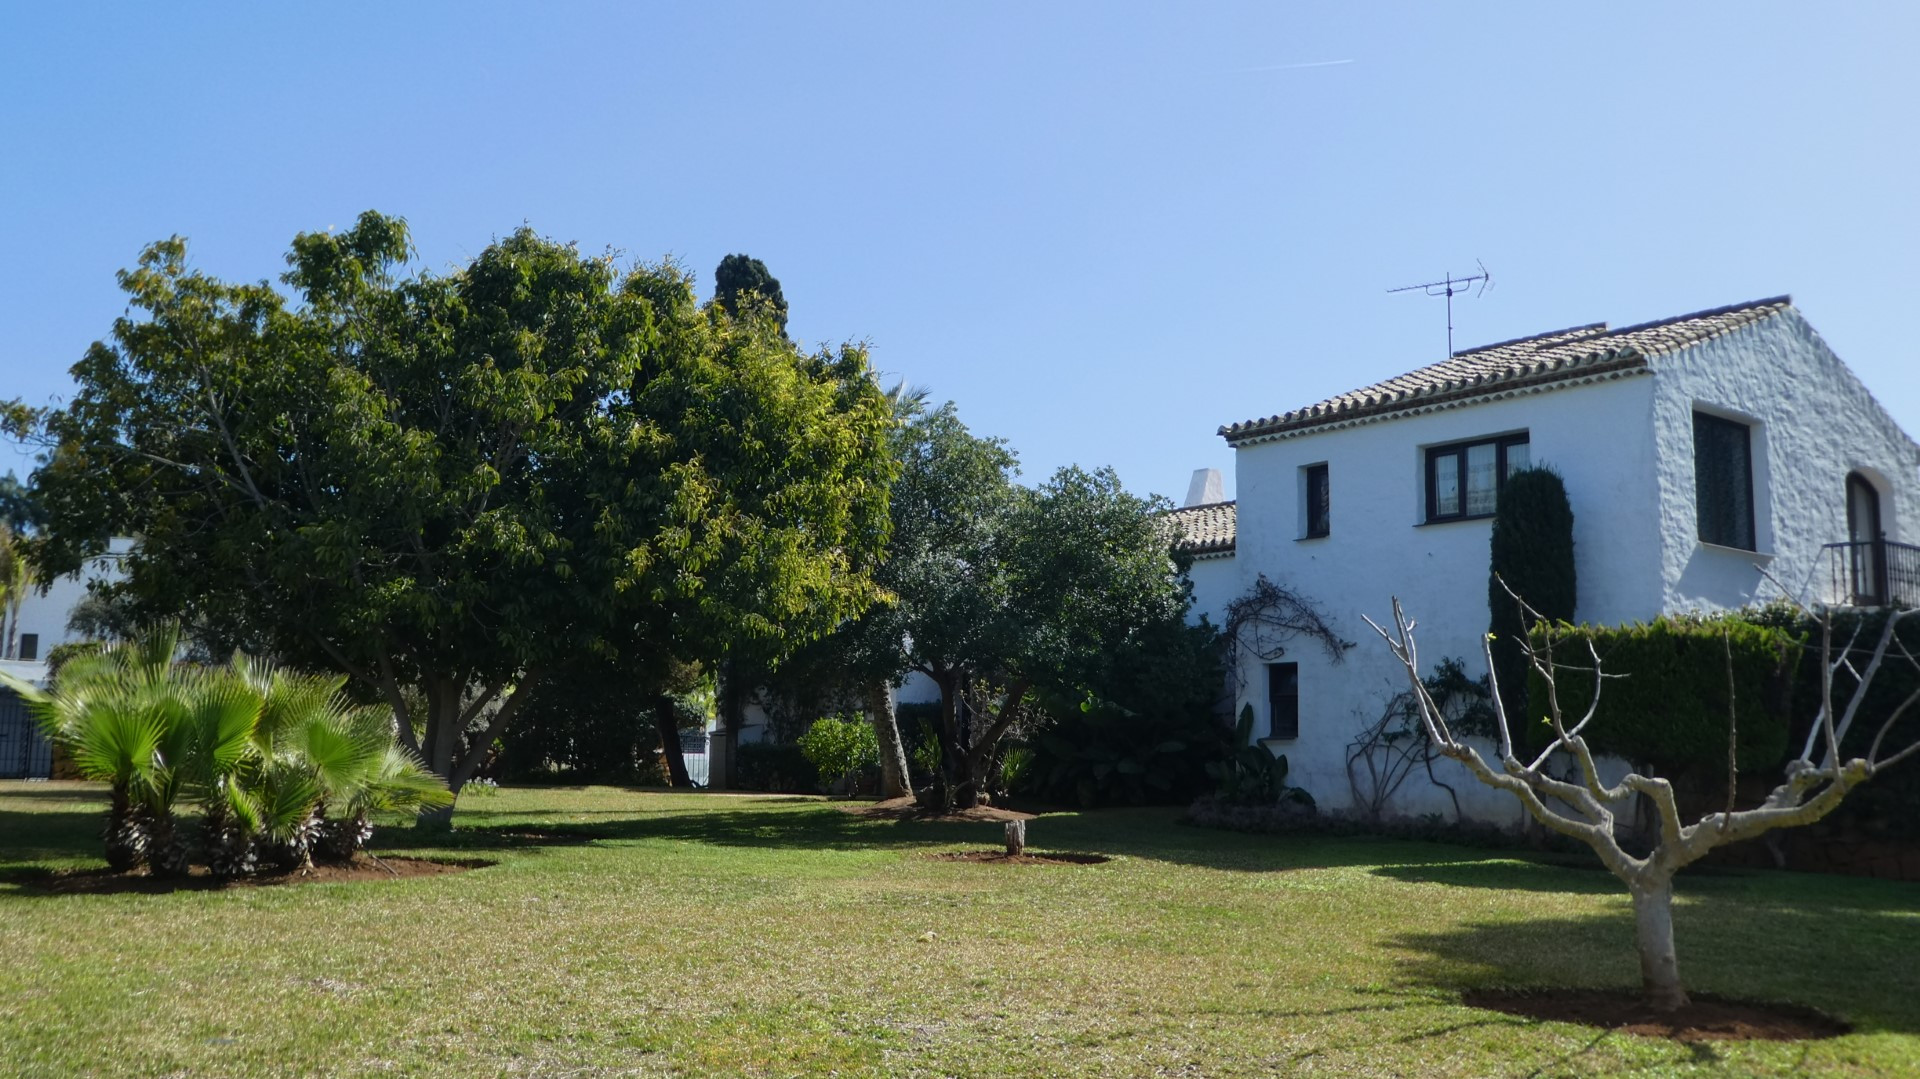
(1591, 329)
(1204, 505)
(1782, 300)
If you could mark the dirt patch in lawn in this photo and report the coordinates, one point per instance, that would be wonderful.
(1707, 1019)
(362, 868)
(1000, 857)
(905, 808)
(545, 837)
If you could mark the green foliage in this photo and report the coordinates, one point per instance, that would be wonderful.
(1144, 732)
(67, 651)
(451, 483)
(264, 753)
(740, 282)
(839, 746)
(1016, 767)
(919, 723)
(774, 766)
(596, 722)
(1251, 775)
(1670, 710)
(1531, 554)
(1890, 805)
(1010, 594)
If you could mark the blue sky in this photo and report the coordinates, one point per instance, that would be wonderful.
(1103, 229)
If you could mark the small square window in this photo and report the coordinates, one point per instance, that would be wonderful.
(29, 646)
(1283, 700)
(1318, 515)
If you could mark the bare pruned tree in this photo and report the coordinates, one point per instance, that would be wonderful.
(1814, 784)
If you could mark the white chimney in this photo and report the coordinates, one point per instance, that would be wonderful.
(1206, 487)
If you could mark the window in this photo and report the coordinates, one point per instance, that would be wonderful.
(1283, 700)
(1463, 480)
(29, 646)
(1723, 481)
(1317, 504)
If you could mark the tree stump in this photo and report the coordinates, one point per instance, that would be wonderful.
(1016, 836)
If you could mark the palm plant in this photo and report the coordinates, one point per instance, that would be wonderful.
(112, 713)
(318, 752)
(262, 752)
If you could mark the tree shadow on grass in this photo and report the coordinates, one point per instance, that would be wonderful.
(1846, 963)
(814, 825)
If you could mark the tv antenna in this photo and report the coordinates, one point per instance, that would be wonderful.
(1449, 286)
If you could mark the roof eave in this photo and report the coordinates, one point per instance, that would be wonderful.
(1603, 366)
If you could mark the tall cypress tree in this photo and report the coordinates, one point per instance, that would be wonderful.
(1532, 551)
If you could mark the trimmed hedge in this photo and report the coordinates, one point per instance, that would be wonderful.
(1890, 803)
(1670, 710)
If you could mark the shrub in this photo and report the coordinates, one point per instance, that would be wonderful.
(774, 766)
(266, 755)
(1142, 732)
(838, 746)
(919, 723)
(1890, 805)
(1531, 552)
(1252, 776)
(1670, 711)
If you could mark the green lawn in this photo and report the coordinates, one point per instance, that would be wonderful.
(713, 934)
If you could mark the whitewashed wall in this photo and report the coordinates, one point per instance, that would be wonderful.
(1216, 583)
(1598, 436)
(1813, 422)
(46, 615)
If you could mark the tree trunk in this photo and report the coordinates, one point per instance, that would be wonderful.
(731, 704)
(955, 781)
(668, 724)
(893, 752)
(1653, 930)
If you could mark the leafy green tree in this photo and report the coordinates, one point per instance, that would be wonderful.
(1001, 590)
(738, 278)
(447, 485)
(1532, 558)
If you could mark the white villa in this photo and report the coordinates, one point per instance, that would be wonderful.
(1697, 451)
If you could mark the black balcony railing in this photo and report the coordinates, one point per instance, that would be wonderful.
(1874, 573)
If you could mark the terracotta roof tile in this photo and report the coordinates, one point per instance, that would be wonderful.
(1578, 352)
(1207, 529)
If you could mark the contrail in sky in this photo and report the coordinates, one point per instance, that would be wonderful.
(1291, 67)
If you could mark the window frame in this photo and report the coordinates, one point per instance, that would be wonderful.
(1325, 504)
(1752, 522)
(28, 643)
(1274, 729)
(1459, 450)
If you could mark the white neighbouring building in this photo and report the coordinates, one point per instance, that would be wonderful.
(42, 626)
(1696, 452)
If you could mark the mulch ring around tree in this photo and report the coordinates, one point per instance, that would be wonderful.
(362, 868)
(905, 808)
(1000, 857)
(1707, 1019)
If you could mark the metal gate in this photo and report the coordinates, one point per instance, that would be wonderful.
(24, 754)
(693, 750)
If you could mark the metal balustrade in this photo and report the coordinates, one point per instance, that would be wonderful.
(1873, 573)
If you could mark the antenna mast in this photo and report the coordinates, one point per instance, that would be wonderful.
(1448, 286)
